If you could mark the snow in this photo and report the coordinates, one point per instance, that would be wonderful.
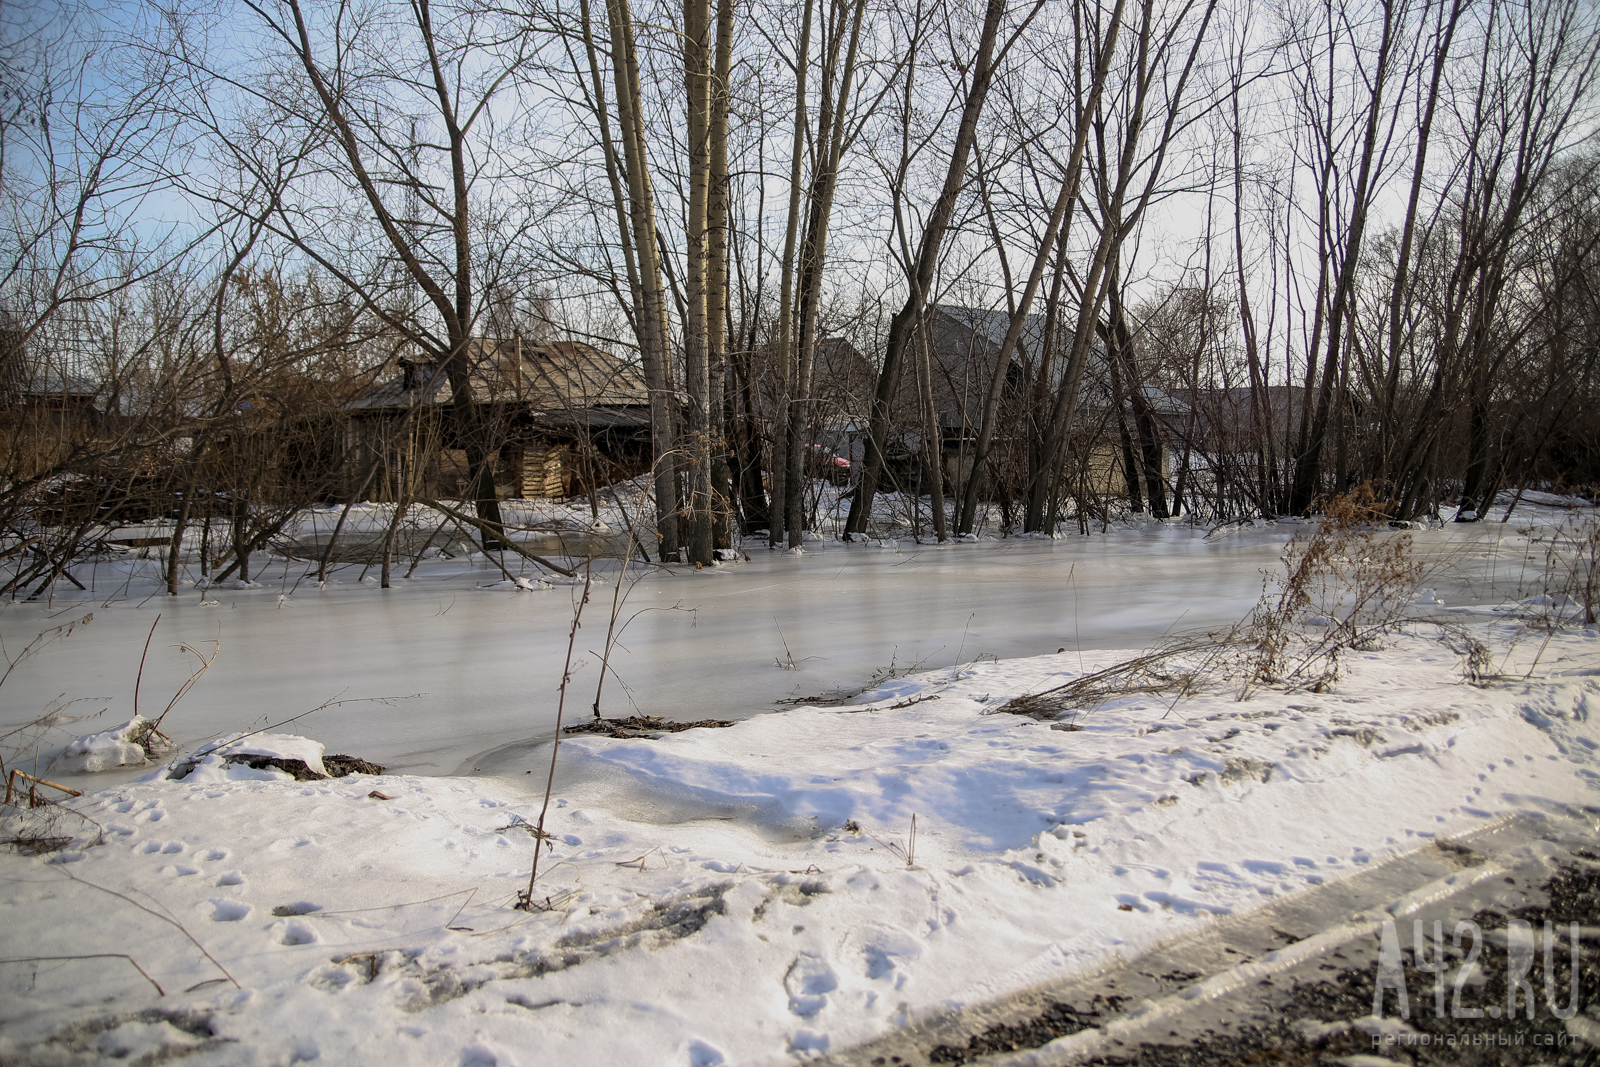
(766, 893)
(219, 758)
(116, 747)
(707, 896)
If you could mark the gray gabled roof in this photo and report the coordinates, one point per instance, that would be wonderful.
(990, 325)
(58, 385)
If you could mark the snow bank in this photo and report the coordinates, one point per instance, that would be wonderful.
(128, 744)
(756, 894)
(217, 761)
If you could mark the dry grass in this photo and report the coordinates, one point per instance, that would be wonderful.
(1570, 581)
(1348, 585)
(647, 726)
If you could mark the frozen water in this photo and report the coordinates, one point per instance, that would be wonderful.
(468, 676)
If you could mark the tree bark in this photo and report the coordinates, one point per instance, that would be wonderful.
(652, 330)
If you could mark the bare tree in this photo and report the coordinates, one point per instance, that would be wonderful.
(402, 200)
(920, 272)
(1127, 173)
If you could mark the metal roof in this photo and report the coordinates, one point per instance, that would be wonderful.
(57, 385)
(991, 325)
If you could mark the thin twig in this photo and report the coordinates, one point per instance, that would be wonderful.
(616, 609)
(164, 918)
(16, 771)
(391, 907)
(92, 956)
(138, 678)
(199, 754)
(525, 901)
(498, 531)
(205, 664)
(486, 553)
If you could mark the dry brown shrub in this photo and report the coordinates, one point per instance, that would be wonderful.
(1349, 582)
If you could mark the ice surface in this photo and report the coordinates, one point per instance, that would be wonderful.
(449, 674)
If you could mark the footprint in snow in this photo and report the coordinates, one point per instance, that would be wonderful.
(228, 911)
(704, 1055)
(231, 878)
(808, 1041)
(294, 932)
(1263, 867)
(291, 842)
(807, 982)
(480, 1054)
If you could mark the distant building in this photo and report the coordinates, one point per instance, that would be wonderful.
(964, 346)
(67, 400)
(563, 416)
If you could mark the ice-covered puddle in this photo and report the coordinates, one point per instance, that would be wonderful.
(468, 666)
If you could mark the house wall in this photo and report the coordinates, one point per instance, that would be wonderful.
(542, 476)
(405, 451)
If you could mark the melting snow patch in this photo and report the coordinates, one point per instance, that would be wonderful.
(127, 744)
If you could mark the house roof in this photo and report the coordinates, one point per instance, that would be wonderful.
(991, 325)
(1162, 402)
(57, 385)
(556, 375)
(1228, 411)
(632, 417)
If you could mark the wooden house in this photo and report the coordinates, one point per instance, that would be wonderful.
(562, 417)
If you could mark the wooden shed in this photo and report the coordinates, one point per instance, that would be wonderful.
(563, 416)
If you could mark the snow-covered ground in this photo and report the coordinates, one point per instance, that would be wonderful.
(752, 894)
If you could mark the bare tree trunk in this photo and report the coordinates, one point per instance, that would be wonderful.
(1059, 215)
(783, 357)
(1119, 350)
(717, 324)
(1116, 222)
(903, 324)
(653, 333)
(1039, 402)
(1260, 397)
(932, 437)
(1388, 441)
(696, 340)
(832, 120)
(1308, 463)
